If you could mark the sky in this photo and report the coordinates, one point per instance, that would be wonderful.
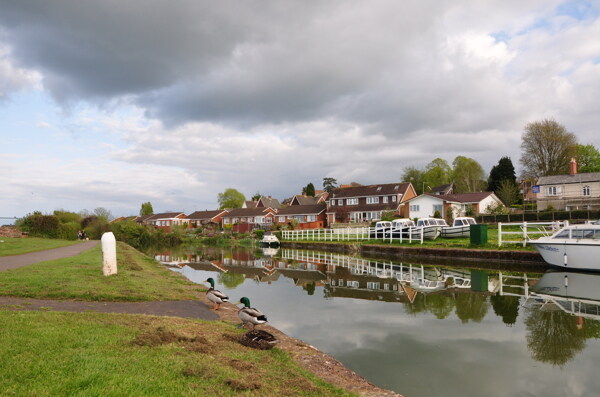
(115, 103)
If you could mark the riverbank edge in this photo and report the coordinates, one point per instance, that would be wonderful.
(464, 257)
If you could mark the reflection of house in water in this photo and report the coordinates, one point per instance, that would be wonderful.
(169, 259)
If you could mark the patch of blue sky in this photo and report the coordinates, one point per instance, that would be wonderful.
(32, 124)
(501, 36)
(579, 9)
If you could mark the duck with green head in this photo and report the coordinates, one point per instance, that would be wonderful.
(215, 296)
(250, 314)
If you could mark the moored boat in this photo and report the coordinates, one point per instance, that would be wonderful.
(461, 227)
(269, 240)
(573, 247)
(407, 229)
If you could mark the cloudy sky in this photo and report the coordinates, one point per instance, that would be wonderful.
(113, 103)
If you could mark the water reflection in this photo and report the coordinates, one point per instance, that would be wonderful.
(381, 318)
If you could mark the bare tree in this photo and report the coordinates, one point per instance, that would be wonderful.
(546, 149)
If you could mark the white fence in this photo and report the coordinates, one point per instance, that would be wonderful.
(526, 230)
(353, 234)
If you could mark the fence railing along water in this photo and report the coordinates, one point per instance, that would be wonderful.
(527, 229)
(355, 234)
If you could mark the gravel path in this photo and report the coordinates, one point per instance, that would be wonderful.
(15, 261)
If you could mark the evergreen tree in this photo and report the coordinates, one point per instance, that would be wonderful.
(503, 170)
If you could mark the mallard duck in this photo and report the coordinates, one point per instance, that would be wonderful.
(259, 339)
(250, 314)
(215, 296)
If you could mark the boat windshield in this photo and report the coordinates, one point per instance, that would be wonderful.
(579, 234)
(471, 221)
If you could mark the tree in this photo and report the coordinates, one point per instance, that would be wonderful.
(468, 175)
(309, 190)
(546, 149)
(503, 170)
(414, 176)
(508, 192)
(329, 184)
(230, 198)
(256, 196)
(588, 158)
(103, 214)
(437, 173)
(146, 209)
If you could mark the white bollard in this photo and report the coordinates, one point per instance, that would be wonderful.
(109, 254)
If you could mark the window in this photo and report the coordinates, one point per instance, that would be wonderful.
(352, 201)
(553, 190)
(385, 199)
(225, 220)
(393, 199)
(340, 202)
(311, 218)
(372, 285)
(372, 200)
(414, 207)
(586, 190)
(332, 202)
(439, 208)
(378, 188)
(352, 284)
(282, 219)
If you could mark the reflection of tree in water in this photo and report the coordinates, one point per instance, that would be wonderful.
(471, 307)
(506, 307)
(553, 335)
(231, 280)
(440, 305)
(309, 288)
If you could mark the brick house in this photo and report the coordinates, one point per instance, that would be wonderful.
(367, 203)
(310, 216)
(201, 218)
(166, 220)
(246, 219)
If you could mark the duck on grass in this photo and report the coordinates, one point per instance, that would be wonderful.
(215, 296)
(250, 315)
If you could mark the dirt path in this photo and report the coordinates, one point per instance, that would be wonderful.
(15, 261)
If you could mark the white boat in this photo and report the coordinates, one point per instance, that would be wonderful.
(573, 247)
(461, 227)
(380, 229)
(406, 228)
(431, 227)
(269, 240)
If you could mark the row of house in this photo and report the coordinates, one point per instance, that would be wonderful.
(349, 204)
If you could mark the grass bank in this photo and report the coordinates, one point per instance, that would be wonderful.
(139, 278)
(17, 246)
(71, 354)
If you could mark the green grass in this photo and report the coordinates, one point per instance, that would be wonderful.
(80, 277)
(17, 246)
(93, 354)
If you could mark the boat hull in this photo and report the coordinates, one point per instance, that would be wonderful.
(456, 231)
(569, 254)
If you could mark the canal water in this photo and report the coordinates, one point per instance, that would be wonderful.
(421, 330)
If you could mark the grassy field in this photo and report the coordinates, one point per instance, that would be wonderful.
(17, 246)
(92, 354)
(44, 353)
(139, 278)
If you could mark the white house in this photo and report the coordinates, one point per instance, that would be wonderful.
(452, 205)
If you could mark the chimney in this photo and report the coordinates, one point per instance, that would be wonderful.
(573, 167)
